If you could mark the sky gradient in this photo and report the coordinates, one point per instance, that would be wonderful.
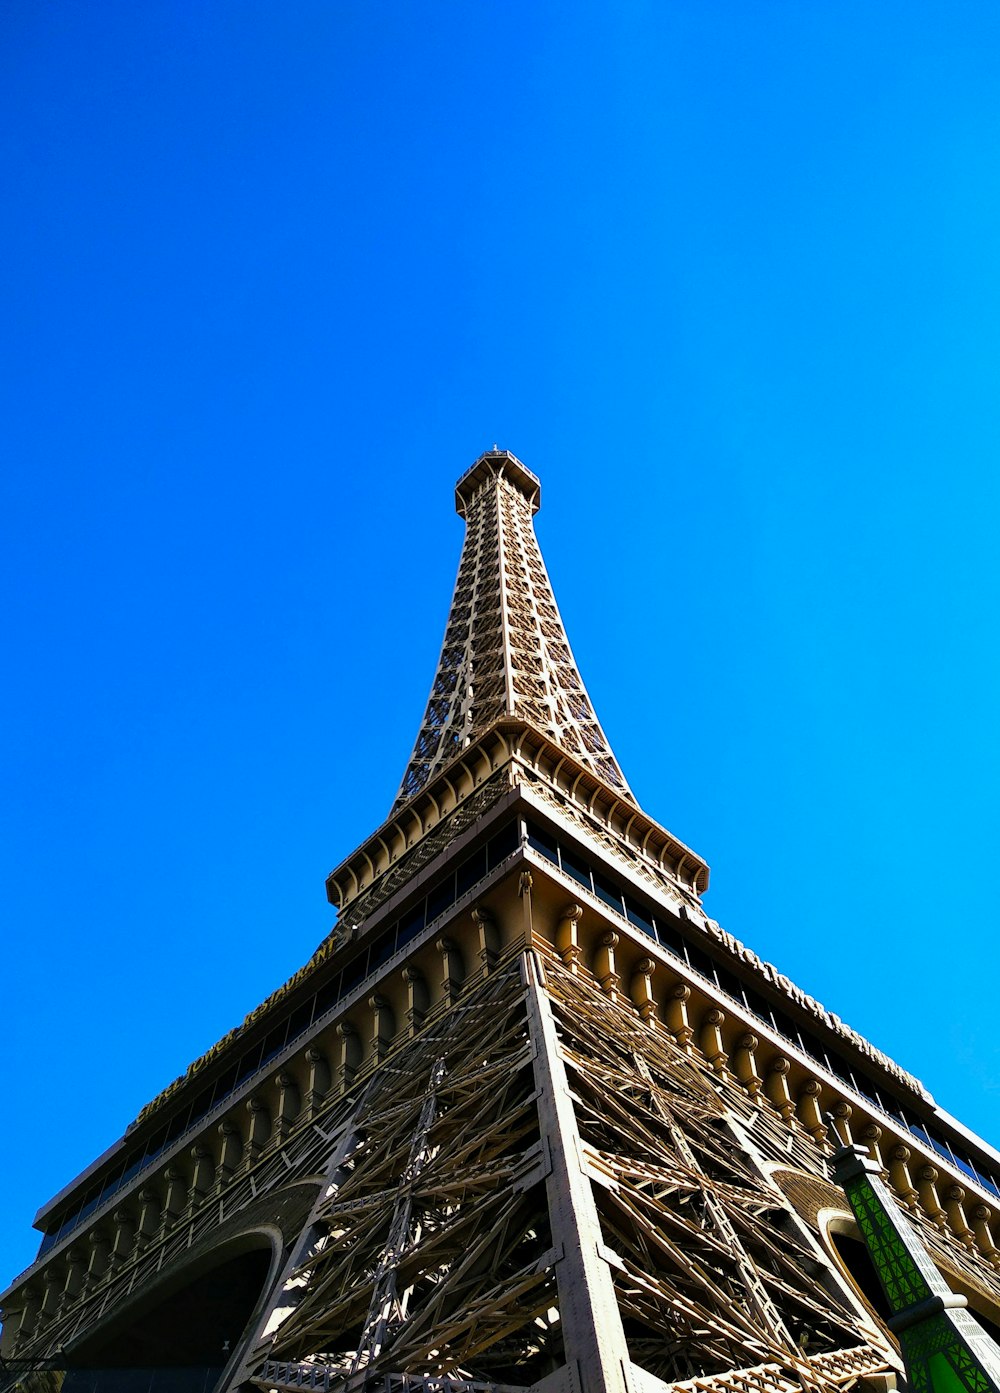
(724, 275)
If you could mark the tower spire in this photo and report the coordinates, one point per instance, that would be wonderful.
(505, 651)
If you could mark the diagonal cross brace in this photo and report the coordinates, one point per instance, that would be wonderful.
(757, 1291)
(385, 1304)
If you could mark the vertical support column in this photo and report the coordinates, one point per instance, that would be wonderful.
(27, 1317)
(124, 1239)
(97, 1263)
(899, 1175)
(953, 1197)
(74, 1278)
(383, 1026)
(51, 1287)
(452, 970)
(319, 1080)
(259, 1131)
(641, 990)
(930, 1201)
(417, 999)
(489, 939)
(809, 1111)
(173, 1205)
(289, 1103)
(604, 965)
(568, 937)
(149, 1215)
(871, 1136)
(593, 1336)
(981, 1216)
(524, 885)
(712, 1045)
(776, 1088)
(745, 1064)
(202, 1176)
(676, 1016)
(840, 1117)
(349, 1055)
(230, 1153)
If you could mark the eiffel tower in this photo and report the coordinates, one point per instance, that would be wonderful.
(528, 1118)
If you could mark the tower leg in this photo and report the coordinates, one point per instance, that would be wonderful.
(594, 1339)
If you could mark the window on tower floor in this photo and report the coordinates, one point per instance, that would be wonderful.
(577, 868)
(544, 843)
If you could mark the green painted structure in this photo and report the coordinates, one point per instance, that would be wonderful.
(944, 1348)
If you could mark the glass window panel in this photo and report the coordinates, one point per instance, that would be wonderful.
(177, 1126)
(442, 897)
(839, 1069)
(939, 1144)
(966, 1166)
(201, 1104)
(355, 973)
(248, 1064)
(543, 842)
(274, 1040)
(639, 917)
(669, 936)
(91, 1202)
(700, 961)
(225, 1083)
(328, 995)
(133, 1168)
(300, 1019)
(893, 1109)
(867, 1089)
(156, 1143)
(68, 1224)
(382, 949)
(576, 867)
(757, 1004)
(411, 924)
(111, 1188)
(787, 1027)
(471, 871)
(729, 982)
(607, 891)
(113, 1181)
(500, 846)
(815, 1050)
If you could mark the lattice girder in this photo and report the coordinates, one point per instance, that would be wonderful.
(505, 650)
(538, 1186)
(546, 1075)
(686, 1208)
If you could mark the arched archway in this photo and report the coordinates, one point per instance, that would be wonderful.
(183, 1335)
(844, 1239)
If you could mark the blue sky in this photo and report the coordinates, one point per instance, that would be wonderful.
(724, 275)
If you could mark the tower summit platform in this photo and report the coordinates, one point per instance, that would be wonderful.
(490, 465)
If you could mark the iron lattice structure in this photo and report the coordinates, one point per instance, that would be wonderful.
(528, 1119)
(540, 1181)
(505, 650)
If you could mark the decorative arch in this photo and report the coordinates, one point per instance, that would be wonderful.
(193, 1319)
